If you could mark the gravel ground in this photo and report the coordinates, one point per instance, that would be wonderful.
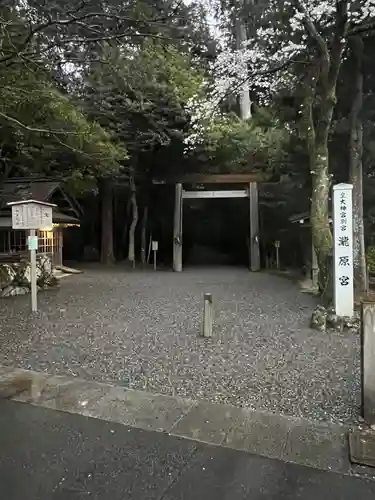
(139, 329)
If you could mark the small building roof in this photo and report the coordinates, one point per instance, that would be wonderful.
(40, 190)
(60, 218)
(304, 218)
(23, 189)
(301, 217)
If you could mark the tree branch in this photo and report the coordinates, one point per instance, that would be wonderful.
(361, 30)
(42, 27)
(80, 152)
(270, 71)
(317, 37)
(34, 129)
(117, 36)
(357, 48)
(309, 84)
(339, 40)
(73, 18)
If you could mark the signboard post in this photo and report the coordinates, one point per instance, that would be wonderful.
(33, 279)
(32, 215)
(343, 249)
(155, 248)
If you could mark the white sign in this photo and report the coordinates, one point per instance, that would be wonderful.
(32, 242)
(155, 246)
(343, 249)
(31, 215)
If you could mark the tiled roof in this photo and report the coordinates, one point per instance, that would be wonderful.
(24, 190)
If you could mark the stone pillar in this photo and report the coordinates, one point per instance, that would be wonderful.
(368, 361)
(343, 249)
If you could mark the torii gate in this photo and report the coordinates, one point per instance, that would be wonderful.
(250, 192)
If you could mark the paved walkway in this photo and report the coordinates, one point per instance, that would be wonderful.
(51, 455)
(316, 444)
(139, 329)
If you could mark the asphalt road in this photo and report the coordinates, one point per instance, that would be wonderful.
(51, 455)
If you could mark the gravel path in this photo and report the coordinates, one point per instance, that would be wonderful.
(140, 329)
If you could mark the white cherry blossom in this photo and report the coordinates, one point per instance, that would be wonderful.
(281, 33)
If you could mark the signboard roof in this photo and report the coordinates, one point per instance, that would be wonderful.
(26, 202)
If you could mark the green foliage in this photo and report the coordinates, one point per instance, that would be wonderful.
(76, 94)
(44, 132)
(234, 145)
(117, 96)
(139, 96)
(370, 259)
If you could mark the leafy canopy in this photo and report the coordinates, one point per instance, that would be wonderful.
(43, 129)
(139, 95)
(234, 145)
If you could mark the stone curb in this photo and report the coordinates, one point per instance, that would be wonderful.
(320, 445)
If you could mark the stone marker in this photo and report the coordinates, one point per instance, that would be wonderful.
(343, 250)
(368, 361)
(362, 439)
(362, 447)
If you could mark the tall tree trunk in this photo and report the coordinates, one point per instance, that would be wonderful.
(125, 229)
(144, 236)
(5, 171)
(321, 232)
(316, 135)
(320, 99)
(106, 192)
(355, 171)
(134, 222)
(241, 38)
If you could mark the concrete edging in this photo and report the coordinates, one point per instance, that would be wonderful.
(315, 444)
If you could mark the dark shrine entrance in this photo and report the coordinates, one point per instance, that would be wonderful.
(214, 187)
(215, 232)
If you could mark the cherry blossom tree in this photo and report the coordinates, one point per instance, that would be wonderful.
(298, 45)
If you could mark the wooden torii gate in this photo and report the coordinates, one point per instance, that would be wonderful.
(249, 190)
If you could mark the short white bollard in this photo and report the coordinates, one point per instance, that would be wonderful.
(207, 315)
(155, 248)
